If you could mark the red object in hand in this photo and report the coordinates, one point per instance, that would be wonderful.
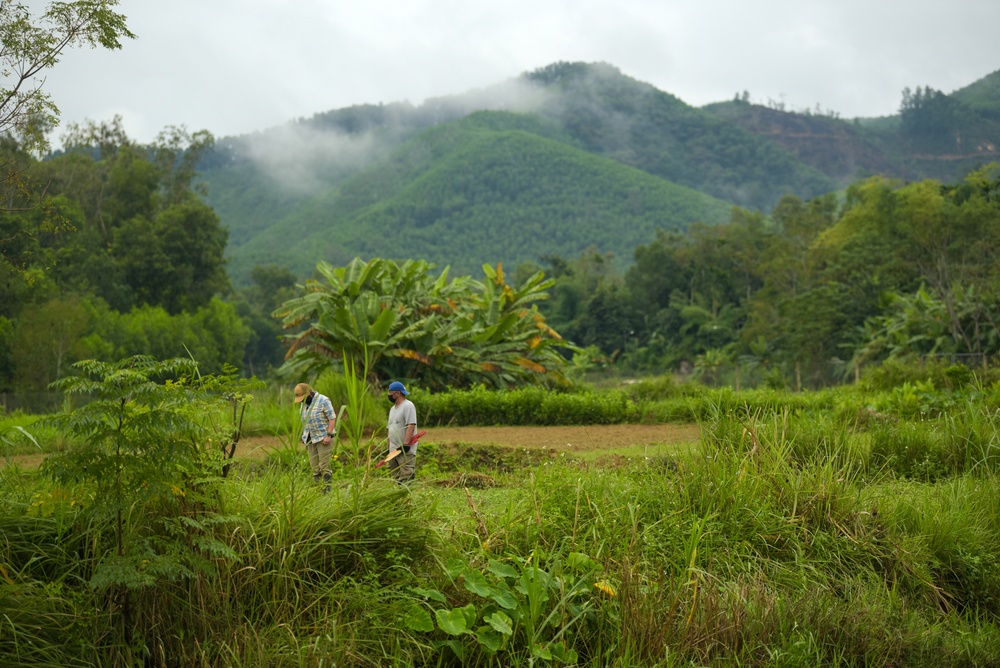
(395, 453)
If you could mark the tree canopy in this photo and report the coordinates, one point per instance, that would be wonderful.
(810, 291)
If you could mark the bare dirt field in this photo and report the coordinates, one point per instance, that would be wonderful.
(569, 439)
(559, 439)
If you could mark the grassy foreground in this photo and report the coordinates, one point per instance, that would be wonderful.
(785, 538)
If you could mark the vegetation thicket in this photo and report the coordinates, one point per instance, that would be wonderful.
(122, 257)
(805, 297)
(804, 529)
(853, 525)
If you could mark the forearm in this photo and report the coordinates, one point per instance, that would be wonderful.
(408, 436)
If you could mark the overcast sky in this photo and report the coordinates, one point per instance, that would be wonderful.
(236, 66)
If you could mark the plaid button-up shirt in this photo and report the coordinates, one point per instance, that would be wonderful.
(316, 417)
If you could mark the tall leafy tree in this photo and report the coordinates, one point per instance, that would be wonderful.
(32, 45)
(137, 232)
(49, 339)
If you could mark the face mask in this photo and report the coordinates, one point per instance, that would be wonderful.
(391, 398)
(309, 399)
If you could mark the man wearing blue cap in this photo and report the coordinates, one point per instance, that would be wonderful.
(402, 427)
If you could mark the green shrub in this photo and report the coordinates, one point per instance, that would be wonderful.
(525, 406)
(893, 373)
(972, 434)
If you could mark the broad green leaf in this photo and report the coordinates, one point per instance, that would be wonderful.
(477, 584)
(453, 622)
(489, 638)
(470, 615)
(455, 647)
(502, 570)
(455, 567)
(541, 651)
(561, 652)
(504, 597)
(501, 623)
(380, 329)
(432, 594)
(418, 619)
(581, 562)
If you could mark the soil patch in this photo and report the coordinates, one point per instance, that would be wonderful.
(560, 439)
(567, 439)
(452, 439)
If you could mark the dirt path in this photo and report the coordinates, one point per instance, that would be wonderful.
(575, 439)
(567, 439)
(594, 437)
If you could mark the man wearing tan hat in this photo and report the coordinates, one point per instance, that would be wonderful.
(318, 421)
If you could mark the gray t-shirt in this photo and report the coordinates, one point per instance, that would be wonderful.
(399, 417)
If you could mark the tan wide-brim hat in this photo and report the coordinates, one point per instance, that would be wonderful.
(302, 391)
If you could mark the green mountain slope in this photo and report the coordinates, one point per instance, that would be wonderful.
(983, 95)
(489, 188)
(343, 178)
(254, 181)
(934, 136)
(613, 115)
(840, 149)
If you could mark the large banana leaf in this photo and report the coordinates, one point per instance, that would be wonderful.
(399, 321)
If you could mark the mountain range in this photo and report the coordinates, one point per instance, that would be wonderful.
(569, 157)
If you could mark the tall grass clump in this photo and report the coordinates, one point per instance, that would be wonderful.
(742, 552)
(972, 435)
(801, 531)
(642, 402)
(700, 404)
(929, 450)
(274, 411)
(943, 374)
(910, 449)
(950, 538)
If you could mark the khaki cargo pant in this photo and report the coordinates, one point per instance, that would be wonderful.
(319, 459)
(403, 467)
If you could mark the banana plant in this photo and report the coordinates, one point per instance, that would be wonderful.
(398, 320)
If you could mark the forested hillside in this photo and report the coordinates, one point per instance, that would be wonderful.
(294, 176)
(275, 189)
(982, 95)
(934, 135)
(490, 188)
(840, 149)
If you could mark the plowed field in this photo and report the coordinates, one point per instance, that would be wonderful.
(566, 439)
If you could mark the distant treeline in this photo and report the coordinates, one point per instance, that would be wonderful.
(121, 256)
(804, 295)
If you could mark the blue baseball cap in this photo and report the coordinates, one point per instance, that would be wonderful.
(397, 386)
